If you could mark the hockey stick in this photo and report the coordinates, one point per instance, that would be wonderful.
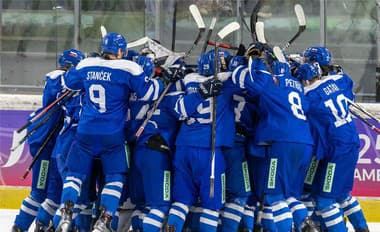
(223, 45)
(209, 33)
(370, 125)
(103, 31)
(201, 26)
(174, 25)
(259, 27)
(245, 23)
(43, 121)
(40, 150)
(43, 111)
(364, 111)
(279, 54)
(301, 22)
(226, 30)
(253, 19)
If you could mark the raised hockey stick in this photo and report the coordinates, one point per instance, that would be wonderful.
(253, 17)
(301, 22)
(370, 125)
(279, 54)
(208, 36)
(201, 26)
(364, 111)
(43, 111)
(43, 121)
(103, 31)
(226, 30)
(259, 27)
(40, 150)
(223, 45)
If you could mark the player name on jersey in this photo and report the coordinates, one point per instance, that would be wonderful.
(100, 76)
(331, 88)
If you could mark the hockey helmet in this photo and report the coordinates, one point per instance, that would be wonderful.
(70, 57)
(317, 54)
(237, 61)
(307, 72)
(112, 42)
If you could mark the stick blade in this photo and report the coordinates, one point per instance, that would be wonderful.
(279, 54)
(197, 16)
(229, 28)
(138, 42)
(259, 27)
(103, 30)
(300, 15)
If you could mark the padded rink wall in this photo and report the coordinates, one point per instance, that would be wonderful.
(14, 110)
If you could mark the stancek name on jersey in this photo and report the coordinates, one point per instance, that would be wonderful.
(100, 76)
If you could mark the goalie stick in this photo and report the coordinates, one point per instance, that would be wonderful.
(226, 30)
(201, 26)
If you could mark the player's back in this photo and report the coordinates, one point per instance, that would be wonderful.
(329, 112)
(107, 84)
(282, 111)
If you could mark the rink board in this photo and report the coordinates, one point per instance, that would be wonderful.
(14, 111)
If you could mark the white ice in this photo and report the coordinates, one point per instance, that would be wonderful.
(7, 217)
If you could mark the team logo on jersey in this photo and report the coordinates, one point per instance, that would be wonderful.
(311, 171)
(166, 189)
(247, 184)
(42, 177)
(223, 180)
(272, 173)
(329, 177)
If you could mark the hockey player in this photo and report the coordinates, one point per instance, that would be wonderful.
(42, 168)
(238, 186)
(338, 140)
(194, 155)
(68, 59)
(282, 130)
(107, 82)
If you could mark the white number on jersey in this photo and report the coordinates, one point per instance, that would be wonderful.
(296, 105)
(98, 96)
(344, 116)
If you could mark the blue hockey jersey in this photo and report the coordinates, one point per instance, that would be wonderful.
(107, 85)
(196, 130)
(329, 113)
(281, 107)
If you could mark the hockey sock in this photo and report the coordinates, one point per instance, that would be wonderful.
(267, 221)
(177, 215)
(331, 215)
(308, 201)
(298, 210)
(353, 211)
(248, 219)
(154, 220)
(208, 222)
(282, 216)
(192, 219)
(46, 211)
(83, 219)
(231, 216)
(111, 192)
(27, 213)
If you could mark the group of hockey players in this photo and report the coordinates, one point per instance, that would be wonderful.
(243, 142)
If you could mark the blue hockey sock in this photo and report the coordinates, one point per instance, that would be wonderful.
(332, 218)
(298, 210)
(353, 211)
(231, 216)
(208, 222)
(248, 219)
(154, 220)
(46, 211)
(177, 215)
(282, 216)
(111, 192)
(266, 219)
(27, 213)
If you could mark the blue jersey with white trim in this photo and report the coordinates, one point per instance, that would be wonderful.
(329, 112)
(166, 119)
(196, 130)
(53, 87)
(281, 105)
(107, 85)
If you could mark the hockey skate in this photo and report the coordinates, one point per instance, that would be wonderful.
(67, 213)
(309, 226)
(40, 227)
(170, 228)
(103, 224)
(16, 229)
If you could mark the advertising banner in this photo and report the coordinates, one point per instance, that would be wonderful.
(13, 164)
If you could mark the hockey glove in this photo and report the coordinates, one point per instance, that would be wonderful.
(210, 88)
(255, 50)
(173, 74)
